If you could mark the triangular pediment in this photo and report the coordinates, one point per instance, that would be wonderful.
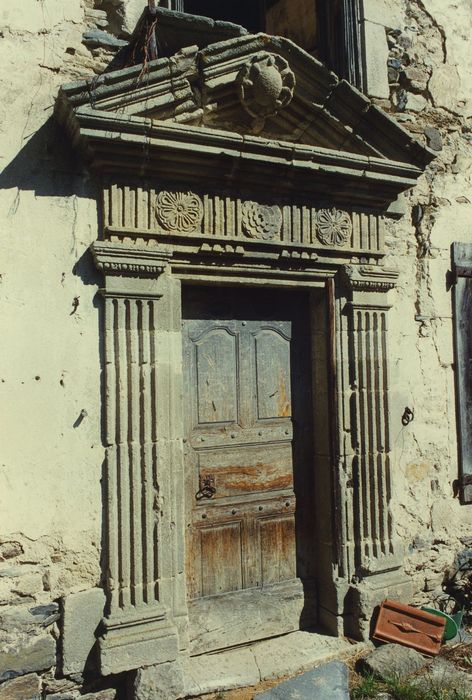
(252, 85)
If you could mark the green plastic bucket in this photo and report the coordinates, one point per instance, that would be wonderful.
(452, 627)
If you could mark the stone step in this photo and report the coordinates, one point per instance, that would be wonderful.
(327, 682)
(280, 657)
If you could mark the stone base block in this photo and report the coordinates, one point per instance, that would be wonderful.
(364, 598)
(161, 682)
(130, 644)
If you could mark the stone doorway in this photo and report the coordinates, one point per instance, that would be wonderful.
(249, 464)
(187, 164)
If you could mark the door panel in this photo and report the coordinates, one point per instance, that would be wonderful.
(216, 369)
(272, 354)
(221, 566)
(276, 538)
(248, 470)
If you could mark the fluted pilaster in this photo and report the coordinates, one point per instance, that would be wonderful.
(376, 548)
(138, 628)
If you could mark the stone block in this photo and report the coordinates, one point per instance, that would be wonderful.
(444, 675)
(445, 87)
(108, 694)
(328, 682)
(299, 651)
(218, 672)
(376, 70)
(162, 682)
(23, 618)
(24, 688)
(26, 655)
(393, 661)
(82, 613)
(433, 137)
(10, 549)
(56, 686)
(384, 12)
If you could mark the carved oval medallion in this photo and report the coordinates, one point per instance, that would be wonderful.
(333, 227)
(261, 220)
(181, 212)
(265, 85)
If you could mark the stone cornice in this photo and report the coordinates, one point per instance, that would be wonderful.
(194, 86)
(140, 147)
(206, 112)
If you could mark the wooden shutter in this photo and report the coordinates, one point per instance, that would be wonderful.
(462, 263)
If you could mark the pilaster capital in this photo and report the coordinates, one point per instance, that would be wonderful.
(130, 271)
(367, 285)
(369, 278)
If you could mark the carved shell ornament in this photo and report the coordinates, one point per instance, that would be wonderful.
(333, 227)
(261, 220)
(265, 85)
(181, 212)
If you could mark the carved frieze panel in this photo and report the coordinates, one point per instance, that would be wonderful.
(223, 217)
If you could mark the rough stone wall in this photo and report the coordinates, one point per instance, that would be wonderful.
(429, 73)
(51, 462)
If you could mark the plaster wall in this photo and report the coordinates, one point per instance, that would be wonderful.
(51, 456)
(430, 94)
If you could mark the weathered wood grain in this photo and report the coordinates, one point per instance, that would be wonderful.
(463, 343)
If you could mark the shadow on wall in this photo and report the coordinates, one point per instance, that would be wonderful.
(48, 166)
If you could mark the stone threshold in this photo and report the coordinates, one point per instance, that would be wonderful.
(279, 657)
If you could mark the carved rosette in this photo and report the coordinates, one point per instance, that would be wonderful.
(265, 85)
(180, 212)
(333, 227)
(261, 221)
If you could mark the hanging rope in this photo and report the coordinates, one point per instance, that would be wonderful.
(143, 45)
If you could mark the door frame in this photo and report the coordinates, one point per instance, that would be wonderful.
(271, 610)
(301, 600)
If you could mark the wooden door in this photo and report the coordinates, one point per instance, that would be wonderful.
(240, 500)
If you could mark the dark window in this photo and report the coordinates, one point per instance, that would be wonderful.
(327, 29)
(248, 13)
